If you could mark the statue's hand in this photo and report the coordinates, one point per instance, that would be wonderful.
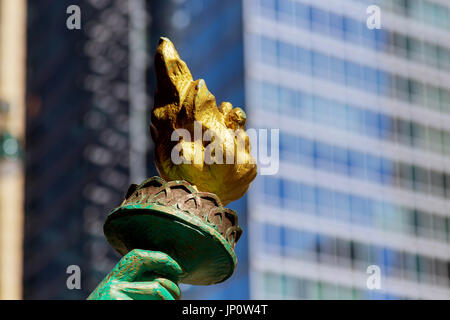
(141, 275)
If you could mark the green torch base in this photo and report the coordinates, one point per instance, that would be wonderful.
(199, 237)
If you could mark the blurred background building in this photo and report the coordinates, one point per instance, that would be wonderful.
(364, 148)
(363, 114)
(208, 35)
(86, 137)
(12, 130)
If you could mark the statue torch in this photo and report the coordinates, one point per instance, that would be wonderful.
(174, 228)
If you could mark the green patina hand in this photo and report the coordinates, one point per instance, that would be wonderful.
(141, 275)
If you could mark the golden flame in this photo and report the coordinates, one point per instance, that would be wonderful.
(179, 103)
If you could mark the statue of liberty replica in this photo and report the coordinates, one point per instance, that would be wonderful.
(174, 228)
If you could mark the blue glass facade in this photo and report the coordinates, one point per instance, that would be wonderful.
(364, 146)
(364, 140)
(208, 35)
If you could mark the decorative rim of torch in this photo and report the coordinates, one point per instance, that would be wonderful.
(173, 217)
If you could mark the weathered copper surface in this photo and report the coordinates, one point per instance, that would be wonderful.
(137, 277)
(192, 227)
(182, 196)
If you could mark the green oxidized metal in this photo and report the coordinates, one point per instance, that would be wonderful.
(137, 276)
(172, 217)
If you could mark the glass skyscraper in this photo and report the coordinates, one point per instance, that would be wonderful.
(86, 137)
(364, 175)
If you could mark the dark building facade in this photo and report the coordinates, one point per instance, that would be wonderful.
(78, 142)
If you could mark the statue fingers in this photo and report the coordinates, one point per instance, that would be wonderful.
(137, 263)
(116, 294)
(148, 290)
(170, 286)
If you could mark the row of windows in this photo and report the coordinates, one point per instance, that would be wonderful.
(281, 286)
(347, 29)
(327, 249)
(353, 209)
(419, 10)
(363, 166)
(281, 100)
(373, 80)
